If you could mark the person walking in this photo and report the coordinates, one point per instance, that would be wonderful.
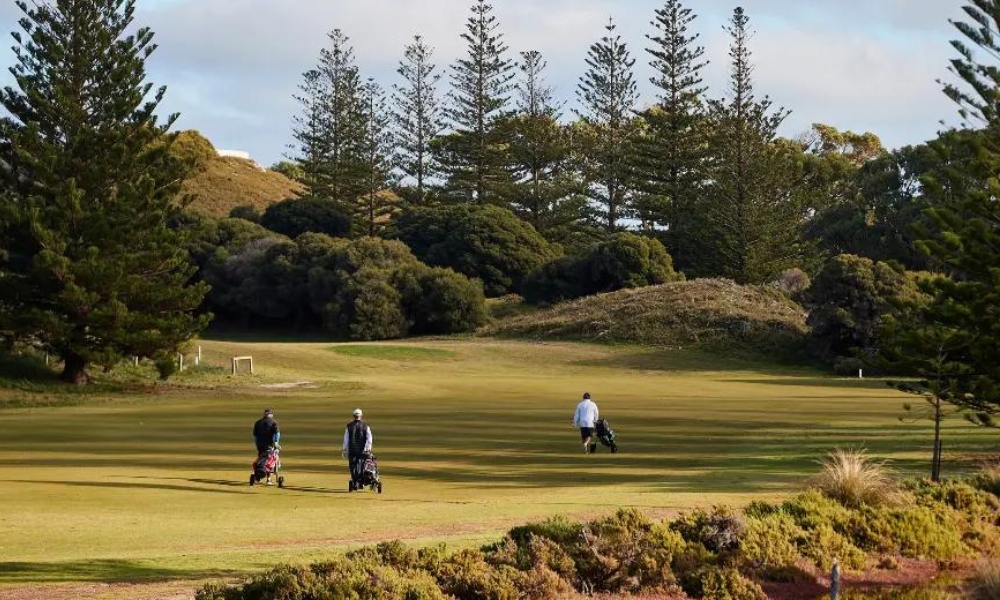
(357, 442)
(585, 417)
(266, 434)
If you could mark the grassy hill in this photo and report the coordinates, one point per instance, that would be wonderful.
(708, 313)
(223, 183)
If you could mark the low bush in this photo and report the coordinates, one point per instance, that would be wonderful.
(729, 584)
(302, 215)
(719, 553)
(625, 261)
(771, 542)
(720, 531)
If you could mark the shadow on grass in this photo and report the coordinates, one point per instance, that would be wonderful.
(120, 485)
(98, 571)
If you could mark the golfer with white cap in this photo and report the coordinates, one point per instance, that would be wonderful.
(357, 442)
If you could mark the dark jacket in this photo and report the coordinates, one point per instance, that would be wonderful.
(264, 432)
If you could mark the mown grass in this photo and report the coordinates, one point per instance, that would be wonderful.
(392, 352)
(473, 436)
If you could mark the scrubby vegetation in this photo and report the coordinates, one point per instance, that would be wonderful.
(717, 554)
(704, 313)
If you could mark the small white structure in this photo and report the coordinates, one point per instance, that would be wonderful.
(235, 154)
(238, 359)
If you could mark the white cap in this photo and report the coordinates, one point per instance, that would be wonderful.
(357, 412)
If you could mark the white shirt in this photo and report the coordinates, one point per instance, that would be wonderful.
(368, 444)
(586, 414)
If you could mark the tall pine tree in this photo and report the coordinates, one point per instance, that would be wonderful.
(87, 259)
(607, 94)
(965, 237)
(671, 156)
(332, 124)
(377, 202)
(547, 193)
(473, 156)
(417, 116)
(750, 220)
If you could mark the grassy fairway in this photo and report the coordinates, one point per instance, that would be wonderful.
(472, 436)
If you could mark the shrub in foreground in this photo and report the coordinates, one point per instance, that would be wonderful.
(717, 554)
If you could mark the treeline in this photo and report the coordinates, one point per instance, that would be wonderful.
(707, 176)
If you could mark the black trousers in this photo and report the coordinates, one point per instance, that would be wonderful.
(354, 464)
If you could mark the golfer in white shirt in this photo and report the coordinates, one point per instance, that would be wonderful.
(585, 417)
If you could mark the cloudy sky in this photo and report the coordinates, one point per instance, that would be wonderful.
(232, 66)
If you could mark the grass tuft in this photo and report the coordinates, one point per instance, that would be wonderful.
(985, 583)
(854, 479)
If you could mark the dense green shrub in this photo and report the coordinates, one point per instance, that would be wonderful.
(467, 575)
(848, 300)
(440, 301)
(624, 261)
(728, 584)
(771, 542)
(296, 216)
(247, 212)
(488, 243)
(364, 289)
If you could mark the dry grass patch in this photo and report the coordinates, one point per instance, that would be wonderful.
(226, 183)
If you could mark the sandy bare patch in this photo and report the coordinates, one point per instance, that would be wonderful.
(297, 385)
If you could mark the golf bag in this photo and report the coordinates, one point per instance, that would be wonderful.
(607, 435)
(364, 474)
(267, 463)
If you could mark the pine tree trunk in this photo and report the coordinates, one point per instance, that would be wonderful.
(936, 459)
(74, 369)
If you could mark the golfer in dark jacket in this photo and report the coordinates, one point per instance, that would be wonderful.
(357, 442)
(266, 432)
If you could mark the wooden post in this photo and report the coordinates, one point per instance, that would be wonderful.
(47, 359)
(197, 361)
(180, 361)
(251, 365)
(835, 581)
(861, 374)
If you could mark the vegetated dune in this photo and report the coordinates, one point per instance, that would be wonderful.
(226, 183)
(703, 313)
(220, 184)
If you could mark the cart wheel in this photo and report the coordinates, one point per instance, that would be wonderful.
(379, 487)
(281, 481)
(252, 479)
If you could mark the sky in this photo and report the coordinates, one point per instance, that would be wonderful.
(232, 67)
